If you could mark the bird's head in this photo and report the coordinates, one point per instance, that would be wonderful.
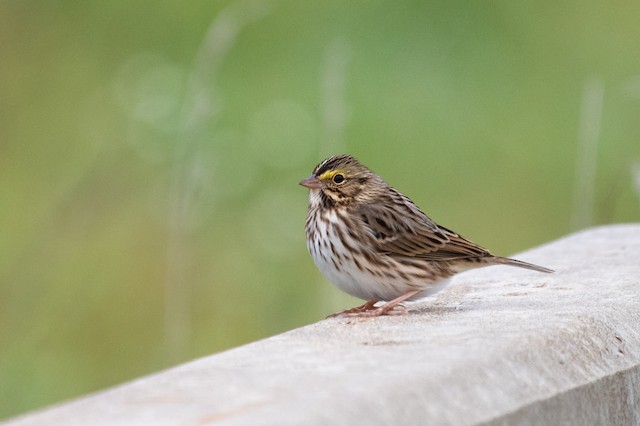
(341, 179)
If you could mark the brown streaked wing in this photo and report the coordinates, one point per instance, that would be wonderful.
(398, 229)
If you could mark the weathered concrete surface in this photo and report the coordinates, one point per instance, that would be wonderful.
(499, 346)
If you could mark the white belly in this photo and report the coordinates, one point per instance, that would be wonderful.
(362, 279)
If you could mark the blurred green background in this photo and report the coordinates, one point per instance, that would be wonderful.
(150, 153)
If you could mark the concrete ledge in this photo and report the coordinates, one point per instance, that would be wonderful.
(498, 346)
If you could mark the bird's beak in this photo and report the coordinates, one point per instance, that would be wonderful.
(311, 182)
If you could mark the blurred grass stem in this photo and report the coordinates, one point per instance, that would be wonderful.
(587, 158)
(187, 182)
(333, 94)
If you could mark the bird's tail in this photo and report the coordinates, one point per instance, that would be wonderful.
(521, 264)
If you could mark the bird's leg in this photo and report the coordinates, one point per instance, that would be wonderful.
(369, 310)
(368, 306)
(391, 305)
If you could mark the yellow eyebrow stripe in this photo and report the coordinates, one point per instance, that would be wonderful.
(330, 174)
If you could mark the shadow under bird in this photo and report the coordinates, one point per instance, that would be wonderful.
(374, 243)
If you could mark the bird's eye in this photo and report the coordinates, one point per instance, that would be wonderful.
(338, 178)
